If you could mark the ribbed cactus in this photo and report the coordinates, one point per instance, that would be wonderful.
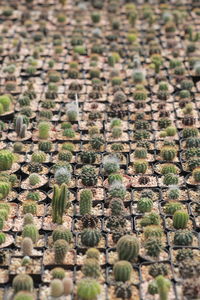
(128, 248)
(4, 189)
(20, 127)
(27, 246)
(170, 179)
(163, 286)
(6, 160)
(90, 237)
(88, 289)
(180, 219)
(56, 287)
(153, 246)
(153, 231)
(140, 166)
(22, 282)
(88, 157)
(93, 253)
(140, 153)
(91, 268)
(89, 176)
(144, 205)
(60, 202)
(61, 248)
(31, 231)
(183, 238)
(85, 202)
(122, 270)
(2, 238)
(28, 219)
(34, 179)
(38, 157)
(168, 153)
(44, 128)
(62, 175)
(23, 295)
(30, 207)
(62, 233)
(58, 273)
(117, 207)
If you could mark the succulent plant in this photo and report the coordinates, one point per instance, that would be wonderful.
(111, 164)
(30, 207)
(171, 207)
(150, 219)
(62, 233)
(58, 273)
(128, 248)
(183, 238)
(68, 286)
(144, 205)
(56, 287)
(170, 179)
(60, 202)
(93, 253)
(158, 269)
(153, 246)
(44, 128)
(31, 231)
(180, 219)
(168, 153)
(117, 190)
(122, 270)
(27, 246)
(38, 157)
(184, 254)
(23, 295)
(88, 289)
(90, 237)
(88, 175)
(18, 147)
(85, 201)
(62, 175)
(22, 282)
(140, 166)
(88, 157)
(153, 231)
(60, 248)
(6, 160)
(45, 146)
(196, 174)
(91, 268)
(34, 179)
(5, 188)
(20, 127)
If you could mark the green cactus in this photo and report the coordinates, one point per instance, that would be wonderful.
(128, 248)
(97, 142)
(5, 188)
(34, 179)
(28, 219)
(184, 254)
(164, 286)
(173, 193)
(111, 164)
(117, 190)
(153, 231)
(44, 130)
(122, 270)
(158, 269)
(31, 231)
(180, 219)
(65, 155)
(140, 153)
(164, 123)
(170, 179)
(144, 205)
(196, 174)
(35, 196)
(88, 289)
(140, 166)
(93, 253)
(68, 146)
(168, 153)
(27, 246)
(153, 246)
(91, 268)
(23, 295)
(56, 287)
(62, 175)
(18, 147)
(116, 132)
(60, 202)
(62, 233)
(60, 248)
(171, 207)
(85, 202)
(150, 219)
(193, 164)
(152, 288)
(88, 157)
(45, 146)
(114, 178)
(38, 157)
(183, 238)
(58, 273)
(90, 237)
(117, 207)
(2, 238)
(168, 168)
(189, 132)
(22, 282)
(5, 101)
(6, 160)
(117, 147)
(192, 142)
(30, 207)
(89, 176)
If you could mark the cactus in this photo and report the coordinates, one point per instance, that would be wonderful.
(140, 166)
(97, 142)
(88, 176)
(5, 188)
(140, 153)
(192, 142)
(56, 287)
(18, 147)
(34, 168)
(35, 196)
(122, 270)
(117, 190)
(72, 112)
(184, 254)
(45, 146)
(111, 164)
(68, 286)
(171, 207)
(88, 289)
(141, 134)
(158, 269)
(5, 101)
(60, 202)
(170, 179)
(22, 282)
(90, 237)
(153, 231)
(117, 147)
(38, 157)
(150, 219)
(164, 123)
(30, 207)
(62, 175)
(85, 202)
(153, 246)
(180, 219)
(28, 219)
(196, 174)
(23, 296)
(192, 164)
(183, 238)
(117, 207)
(27, 246)
(20, 127)
(173, 193)
(189, 132)
(144, 205)
(58, 273)
(168, 168)
(62, 233)
(116, 132)
(88, 157)
(61, 248)
(44, 128)
(91, 268)
(68, 146)
(2, 238)
(69, 133)
(93, 253)
(65, 156)
(31, 231)
(152, 288)
(6, 160)
(128, 248)
(168, 153)
(34, 179)
(163, 285)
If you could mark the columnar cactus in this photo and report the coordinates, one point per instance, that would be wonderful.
(22, 282)
(180, 219)
(62, 233)
(128, 248)
(27, 246)
(6, 160)
(20, 127)
(163, 285)
(90, 237)
(122, 270)
(31, 231)
(60, 202)
(44, 128)
(85, 202)
(61, 248)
